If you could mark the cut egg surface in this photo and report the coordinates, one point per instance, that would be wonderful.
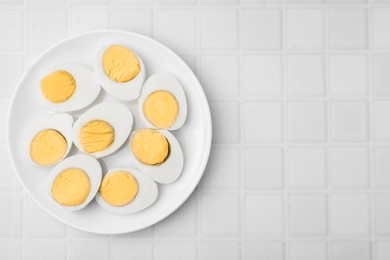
(68, 88)
(49, 139)
(74, 182)
(158, 154)
(126, 191)
(102, 129)
(120, 70)
(162, 103)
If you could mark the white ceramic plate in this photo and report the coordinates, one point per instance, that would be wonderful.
(194, 136)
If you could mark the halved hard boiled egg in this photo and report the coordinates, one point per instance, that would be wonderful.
(74, 182)
(158, 154)
(121, 72)
(102, 129)
(68, 87)
(126, 191)
(162, 103)
(50, 139)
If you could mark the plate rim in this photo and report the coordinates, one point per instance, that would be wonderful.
(208, 128)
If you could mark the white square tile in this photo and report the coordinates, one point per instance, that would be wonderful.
(348, 121)
(220, 75)
(306, 167)
(74, 233)
(305, 75)
(306, 121)
(89, 2)
(348, 28)
(223, 169)
(381, 167)
(46, 1)
(46, 28)
(182, 223)
(307, 215)
(146, 233)
(11, 219)
(89, 250)
(219, 29)
(82, 21)
(7, 174)
(139, 21)
(381, 120)
(226, 121)
(305, 1)
(176, 2)
(380, 75)
(11, 68)
(382, 250)
(262, 29)
(380, 30)
(177, 29)
(215, 206)
(176, 250)
(4, 106)
(344, 250)
(350, 215)
(11, 30)
(46, 249)
(263, 168)
(260, 1)
(348, 75)
(134, 2)
(307, 250)
(40, 224)
(262, 75)
(254, 250)
(381, 1)
(263, 122)
(347, 1)
(305, 29)
(125, 250)
(218, 2)
(190, 60)
(349, 167)
(382, 214)
(14, 2)
(11, 250)
(263, 215)
(219, 250)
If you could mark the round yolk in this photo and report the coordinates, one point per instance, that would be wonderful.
(48, 147)
(71, 187)
(120, 64)
(96, 136)
(150, 146)
(119, 188)
(161, 109)
(58, 86)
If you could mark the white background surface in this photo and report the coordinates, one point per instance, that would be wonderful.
(300, 98)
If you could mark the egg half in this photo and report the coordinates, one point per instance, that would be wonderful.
(162, 103)
(74, 182)
(120, 70)
(68, 87)
(102, 129)
(126, 191)
(49, 139)
(158, 154)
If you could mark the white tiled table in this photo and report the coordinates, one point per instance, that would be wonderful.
(300, 98)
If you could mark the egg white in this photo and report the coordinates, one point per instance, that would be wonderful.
(168, 171)
(87, 89)
(164, 81)
(60, 122)
(117, 115)
(146, 196)
(123, 91)
(89, 165)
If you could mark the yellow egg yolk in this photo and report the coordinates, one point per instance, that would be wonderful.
(58, 86)
(120, 64)
(96, 136)
(119, 188)
(48, 147)
(71, 187)
(161, 109)
(150, 146)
